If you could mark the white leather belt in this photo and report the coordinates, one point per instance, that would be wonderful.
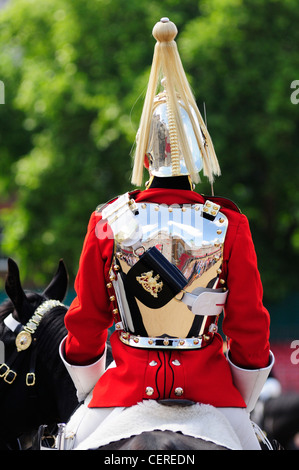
(205, 302)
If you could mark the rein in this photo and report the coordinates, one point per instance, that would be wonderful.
(23, 341)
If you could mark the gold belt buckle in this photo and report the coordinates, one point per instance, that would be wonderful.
(6, 379)
(8, 375)
(30, 379)
(2, 374)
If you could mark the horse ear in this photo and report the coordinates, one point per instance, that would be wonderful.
(57, 288)
(13, 285)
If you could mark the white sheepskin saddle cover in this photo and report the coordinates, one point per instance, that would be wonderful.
(200, 421)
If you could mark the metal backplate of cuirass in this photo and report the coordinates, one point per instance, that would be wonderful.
(191, 242)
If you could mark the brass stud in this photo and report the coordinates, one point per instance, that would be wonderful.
(222, 281)
(115, 311)
(112, 298)
(166, 342)
(221, 220)
(178, 391)
(149, 391)
(135, 339)
(150, 341)
(109, 285)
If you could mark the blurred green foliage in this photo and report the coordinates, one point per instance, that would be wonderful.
(75, 74)
(243, 57)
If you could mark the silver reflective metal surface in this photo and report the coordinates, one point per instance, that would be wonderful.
(191, 242)
(159, 151)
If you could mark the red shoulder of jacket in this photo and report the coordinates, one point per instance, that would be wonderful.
(223, 202)
(132, 194)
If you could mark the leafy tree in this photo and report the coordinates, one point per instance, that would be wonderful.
(243, 57)
(75, 74)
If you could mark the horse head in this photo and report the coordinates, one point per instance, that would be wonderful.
(49, 396)
(25, 305)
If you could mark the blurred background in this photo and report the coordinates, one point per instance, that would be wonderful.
(75, 74)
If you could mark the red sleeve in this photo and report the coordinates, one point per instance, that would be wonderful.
(89, 315)
(246, 321)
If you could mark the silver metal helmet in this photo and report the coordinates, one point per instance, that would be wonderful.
(159, 146)
(172, 134)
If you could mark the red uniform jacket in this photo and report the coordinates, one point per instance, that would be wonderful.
(203, 374)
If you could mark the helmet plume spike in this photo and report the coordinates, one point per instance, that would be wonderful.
(167, 64)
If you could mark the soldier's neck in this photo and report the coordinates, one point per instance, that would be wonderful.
(173, 182)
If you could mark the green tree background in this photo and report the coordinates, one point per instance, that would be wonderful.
(75, 75)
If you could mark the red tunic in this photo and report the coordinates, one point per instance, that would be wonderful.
(203, 374)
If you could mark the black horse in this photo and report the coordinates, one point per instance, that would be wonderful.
(35, 387)
(162, 440)
(280, 419)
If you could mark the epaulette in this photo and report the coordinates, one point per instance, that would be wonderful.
(223, 202)
(132, 195)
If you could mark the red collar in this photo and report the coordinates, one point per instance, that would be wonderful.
(169, 196)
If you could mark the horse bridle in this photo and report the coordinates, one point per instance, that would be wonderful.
(23, 341)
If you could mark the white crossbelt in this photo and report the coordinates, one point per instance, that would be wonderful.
(205, 301)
